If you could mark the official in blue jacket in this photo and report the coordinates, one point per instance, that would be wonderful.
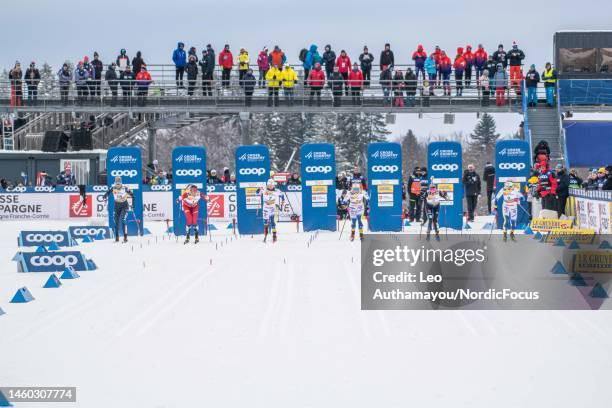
(179, 57)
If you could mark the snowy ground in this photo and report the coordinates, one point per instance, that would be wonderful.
(234, 322)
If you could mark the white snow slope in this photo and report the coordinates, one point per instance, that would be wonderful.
(236, 323)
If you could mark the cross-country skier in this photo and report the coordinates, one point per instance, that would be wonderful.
(273, 200)
(191, 206)
(433, 198)
(511, 200)
(357, 204)
(120, 196)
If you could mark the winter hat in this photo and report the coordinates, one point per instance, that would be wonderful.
(96, 54)
(532, 66)
(514, 45)
(500, 46)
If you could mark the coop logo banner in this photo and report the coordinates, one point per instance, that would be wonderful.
(94, 232)
(126, 162)
(385, 186)
(252, 172)
(512, 163)
(318, 168)
(188, 167)
(444, 165)
(51, 261)
(44, 238)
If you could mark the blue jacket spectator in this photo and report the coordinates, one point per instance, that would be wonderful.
(500, 80)
(66, 179)
(81, 75)
(312, 57)
(64, 75)
(430, 66)
(179, 56)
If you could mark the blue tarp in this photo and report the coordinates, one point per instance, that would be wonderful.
(588, 143)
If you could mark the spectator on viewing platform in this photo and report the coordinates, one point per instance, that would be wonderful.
(98, 67)
(500, 56)
(531, 83)
(336, 81)
(274, 77)
(90, 77)
(277, 56)
(515, 59)
(329, 61)
(311, 59)
(213, 178)
(192, 53)
(355, 83)
(208, 69)
(248, 84)
(398, 89)
(15, 77)
(64, 77)
(480, 60)
(143, 80)
(386, 81)
(179, 58)
(574, 179)
(226, 62)
(81, 76)
(410, 84)
(419, 57)
(431, 68)
(485, 87)
(366, 61)
(294, 180)
(488, 175)
(316, 82)
(500, 83)
(289, 78)
(192, 75)
(137, 62)
(459, 66)
(445, 68)
(32, 79)
(263, 64)
(491, 67)
(126, 79)
(66, 178)
(344, 66)
(123, 61)
(112, 81)
(549, 77)
(436, 57)
(243, 63)
(472, 186)
(387, 59)
(468, 55)
(563, 185)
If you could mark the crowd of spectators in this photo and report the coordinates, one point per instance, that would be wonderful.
(494, 74)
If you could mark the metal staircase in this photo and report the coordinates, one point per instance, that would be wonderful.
(545, 124)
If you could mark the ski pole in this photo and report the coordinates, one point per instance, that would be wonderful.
(342, 229)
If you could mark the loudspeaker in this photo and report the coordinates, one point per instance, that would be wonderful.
(81, 140)
(55, 141)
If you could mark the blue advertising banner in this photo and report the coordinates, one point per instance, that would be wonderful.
(188, 167)
(445, 170)
(385, 186)
(318, 168)
(44, 238)
(126, 162)
(512, 163)
(51, 261)
(91, 231)
(252, 172)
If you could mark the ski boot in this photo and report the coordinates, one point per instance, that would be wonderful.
(186, 239)
(196, 237)
(273, 236)
(512, 236)
(352, 235)
(361, 236)
(124, 238)
(505, 236)
(437, 235)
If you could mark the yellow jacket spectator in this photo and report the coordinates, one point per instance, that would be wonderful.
(274, 77)
(243, 60)
(289, 77)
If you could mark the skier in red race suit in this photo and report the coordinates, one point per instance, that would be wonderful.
(191, 205)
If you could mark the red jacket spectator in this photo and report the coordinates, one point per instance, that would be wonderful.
(468, 55)
(316, 79)
(480, 57)
(143, 77)
(445, 63)
(226, 59)
(262, 60)
(460, 63)
(277, 57)
(419, 57)
(355, 79)
(437, 54)
(343, 63)
(547, 182)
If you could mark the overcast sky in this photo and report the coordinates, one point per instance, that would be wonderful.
(54, 31)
